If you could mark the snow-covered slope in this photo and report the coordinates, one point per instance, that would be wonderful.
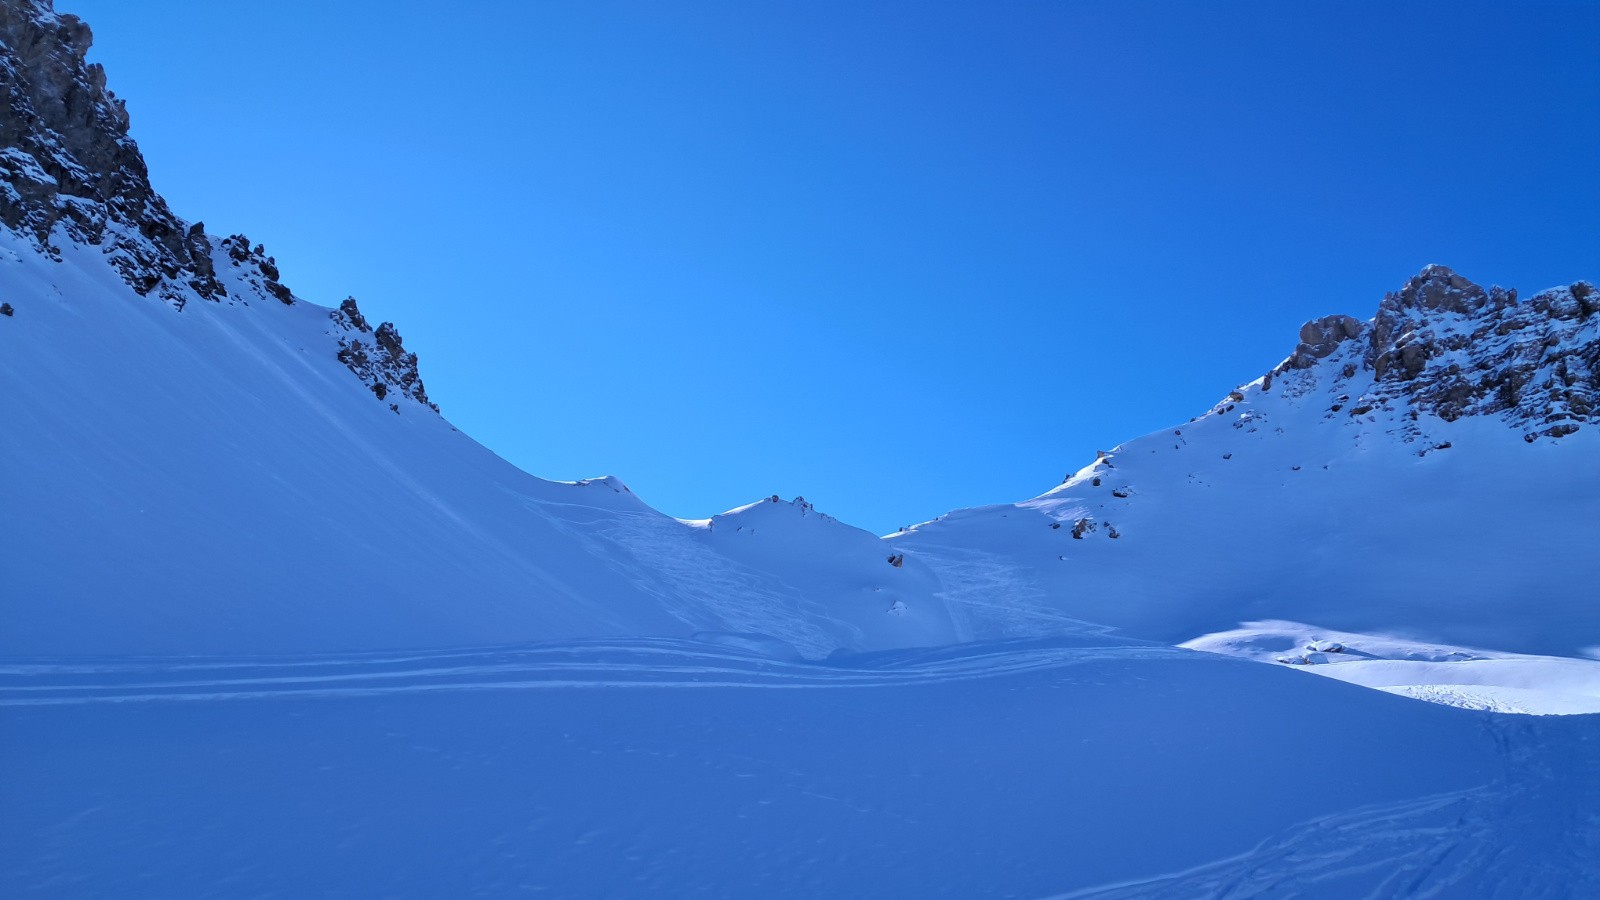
(223, 508)
(1433, 472)
(194, 460)
(215, 479)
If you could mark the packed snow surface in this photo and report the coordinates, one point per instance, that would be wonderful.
(654, 767)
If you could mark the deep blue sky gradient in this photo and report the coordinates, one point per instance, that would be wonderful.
(899, 257)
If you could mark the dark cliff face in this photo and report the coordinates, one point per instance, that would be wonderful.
(70, 172)
(67, 160)
(1446, 347)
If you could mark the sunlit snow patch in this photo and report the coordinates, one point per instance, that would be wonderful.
(1438, 673)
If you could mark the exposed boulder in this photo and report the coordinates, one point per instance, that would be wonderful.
(254, 266)
(351, 315)
(1319, 338)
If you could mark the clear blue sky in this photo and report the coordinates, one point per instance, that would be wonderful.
(896, 257)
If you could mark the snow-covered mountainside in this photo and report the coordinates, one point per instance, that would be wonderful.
(1433, 471)
(270, 626)
(195, 460)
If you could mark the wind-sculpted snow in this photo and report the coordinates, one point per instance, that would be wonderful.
(651, 767)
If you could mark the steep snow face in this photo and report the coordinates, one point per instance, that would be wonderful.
(1435, 472)
(211, 478)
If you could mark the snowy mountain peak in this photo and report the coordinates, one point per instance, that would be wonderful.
(1445, 347)
(1402, 474)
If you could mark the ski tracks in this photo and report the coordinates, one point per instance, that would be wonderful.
(654, 664)
(663, 559)
(1532, 833)
(988, 598)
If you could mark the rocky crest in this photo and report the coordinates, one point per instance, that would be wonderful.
(1443, 346)
(380, 361)
(69, 166)
(70, 171)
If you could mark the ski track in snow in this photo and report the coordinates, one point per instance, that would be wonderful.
(1448, 845)
(624, 664)
(989, 599)
(663, 559)
(1531, 827)
(1465, 696)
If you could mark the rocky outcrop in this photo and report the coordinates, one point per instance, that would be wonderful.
(1320, 337)
(68, 167)
(378, 357)
(1446, 347)
(256, 267)
(69, 171)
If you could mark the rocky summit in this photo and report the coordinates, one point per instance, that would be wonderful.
(1445, 347)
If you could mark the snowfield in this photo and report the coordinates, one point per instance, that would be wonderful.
(1455, 676)
(651, 767)
(245, 693)
(244, 494)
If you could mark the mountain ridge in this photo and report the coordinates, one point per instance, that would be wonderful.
(1441, 433)
(300, 472)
